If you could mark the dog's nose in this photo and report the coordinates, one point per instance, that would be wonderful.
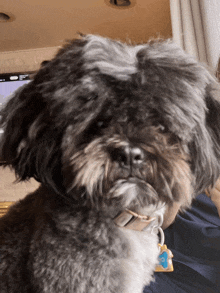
(129, 156)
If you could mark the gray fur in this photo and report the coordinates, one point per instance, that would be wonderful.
(104, 127)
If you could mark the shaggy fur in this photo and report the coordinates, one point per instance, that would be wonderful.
(104, 127)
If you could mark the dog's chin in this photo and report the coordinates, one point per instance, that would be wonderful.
(134, 194)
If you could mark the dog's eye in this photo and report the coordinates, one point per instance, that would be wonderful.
(101, 124)
(162, 128)
(97, 127)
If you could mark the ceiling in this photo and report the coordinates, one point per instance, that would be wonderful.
(48, 23)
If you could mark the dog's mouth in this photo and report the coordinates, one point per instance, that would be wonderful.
(140, 204)
(134, 194)
(131, 186)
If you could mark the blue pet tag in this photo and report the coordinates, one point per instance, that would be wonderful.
(165, 260)
(165, 256)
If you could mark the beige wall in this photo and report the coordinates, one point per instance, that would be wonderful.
(25, 60)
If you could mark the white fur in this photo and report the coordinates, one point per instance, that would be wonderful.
(115, 59)
(143, 253)
(140, 265)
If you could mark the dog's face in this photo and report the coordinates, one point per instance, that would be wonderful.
(116, 125)
(124, 156)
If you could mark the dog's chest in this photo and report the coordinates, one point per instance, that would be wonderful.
(141, 261)
(82, 256)
(88, 255)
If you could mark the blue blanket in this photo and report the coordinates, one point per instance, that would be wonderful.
(194, 240)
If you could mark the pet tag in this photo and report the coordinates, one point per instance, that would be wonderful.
(165, 256)
(165, 260)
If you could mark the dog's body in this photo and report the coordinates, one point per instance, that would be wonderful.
(106, 128)
(58, 247)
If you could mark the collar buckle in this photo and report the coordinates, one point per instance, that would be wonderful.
(133, 221)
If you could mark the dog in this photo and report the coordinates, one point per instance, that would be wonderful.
(115, 134)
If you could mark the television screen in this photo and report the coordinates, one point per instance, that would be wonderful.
(9, 83)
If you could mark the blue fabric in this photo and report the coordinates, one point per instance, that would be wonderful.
(194, 240)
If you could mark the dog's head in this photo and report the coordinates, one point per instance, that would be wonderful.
(115, 123)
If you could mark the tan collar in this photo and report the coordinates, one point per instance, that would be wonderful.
(131, 220)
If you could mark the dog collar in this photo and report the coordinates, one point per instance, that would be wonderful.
(131, 220)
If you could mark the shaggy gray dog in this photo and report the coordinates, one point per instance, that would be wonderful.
(115, 134)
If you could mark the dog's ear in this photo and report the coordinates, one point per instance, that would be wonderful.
(36, 117)
(30, 143)
(205, 149)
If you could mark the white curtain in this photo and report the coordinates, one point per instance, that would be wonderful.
(196, 28)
